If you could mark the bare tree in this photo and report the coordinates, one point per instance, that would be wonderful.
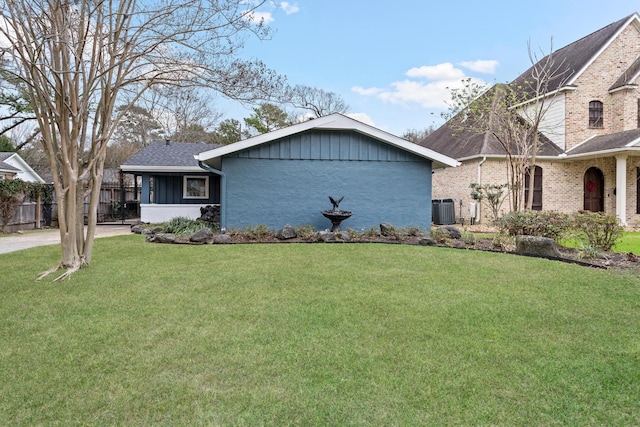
(417, 135)
(137, 127)
(545, 73)
(185, 113)
(78, 60)
(513, 115)
(320, 102)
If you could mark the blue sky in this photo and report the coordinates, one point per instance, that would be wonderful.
(392, 61)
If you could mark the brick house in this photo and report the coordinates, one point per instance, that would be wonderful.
(590, 159)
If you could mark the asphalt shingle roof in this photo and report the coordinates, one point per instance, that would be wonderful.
(6, 166)
(461, 142)
(177, 154)
(575, 56)
(613, 141)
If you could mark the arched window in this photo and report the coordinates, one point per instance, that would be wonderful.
(596, 115)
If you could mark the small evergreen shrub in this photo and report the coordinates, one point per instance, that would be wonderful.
(182, 226)
(597, 229)
(305, 231)
(440, 235)
(467, 237)
(534, 223)
(411, 231)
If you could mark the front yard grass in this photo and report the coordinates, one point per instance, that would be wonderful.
(316, 334)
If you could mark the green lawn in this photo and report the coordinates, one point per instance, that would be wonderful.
(630, 242)
(316, 334)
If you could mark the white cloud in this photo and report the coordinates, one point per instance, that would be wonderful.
(265, 17)
(367, 91)
(427, 86)
(289, 8)
(481, 66)
(444, 71)
(362, 117)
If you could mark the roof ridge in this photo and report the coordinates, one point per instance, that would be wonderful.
(618, 22)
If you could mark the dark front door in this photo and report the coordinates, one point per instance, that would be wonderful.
(594, 190)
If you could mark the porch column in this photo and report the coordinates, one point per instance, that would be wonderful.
(621, 188)
(146, 189)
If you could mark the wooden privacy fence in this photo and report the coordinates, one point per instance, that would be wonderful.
(117, 203)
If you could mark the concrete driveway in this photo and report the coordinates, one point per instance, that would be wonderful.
(31, 239)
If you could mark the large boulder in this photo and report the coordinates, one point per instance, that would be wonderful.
(287, 232)
(539, 246)
(204, 235)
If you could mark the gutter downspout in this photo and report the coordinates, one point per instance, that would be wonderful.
(223, 194)
(479, 213)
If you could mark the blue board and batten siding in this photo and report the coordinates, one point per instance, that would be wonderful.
(169, 189)
(288, 181)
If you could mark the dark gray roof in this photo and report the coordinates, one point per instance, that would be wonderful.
(628, 76)
(614, 141)
(576, 56)
(461, 142)
(176, 154)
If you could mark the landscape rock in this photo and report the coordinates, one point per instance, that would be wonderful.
(454, 233)
(539, 246)
(327, 237)
(161, 238)
(287, 232)
(427, 241)
(387, 229)
(210, 213)
(344, 236)
(204, 235)
(221, 239)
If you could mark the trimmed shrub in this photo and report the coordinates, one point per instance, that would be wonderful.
(534, 223)
(591, 229)
(597, 229)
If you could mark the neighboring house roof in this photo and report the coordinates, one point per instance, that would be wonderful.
(6, 167)
(577, 56)
(167, 157)
(463, 143)
(606, 144)
(13, 163)
(332, 122)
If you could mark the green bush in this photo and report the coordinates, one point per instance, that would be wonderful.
(305, 231)
(182, 226)
(597, 229)
(440, 235)
(534, 223)
(592, 229)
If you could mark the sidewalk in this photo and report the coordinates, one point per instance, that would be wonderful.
(31, 239)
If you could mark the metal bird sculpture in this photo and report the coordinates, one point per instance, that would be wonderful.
(335, 202)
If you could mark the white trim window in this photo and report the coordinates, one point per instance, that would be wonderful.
(195, 187)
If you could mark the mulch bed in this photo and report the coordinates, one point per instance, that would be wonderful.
(568, 255)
